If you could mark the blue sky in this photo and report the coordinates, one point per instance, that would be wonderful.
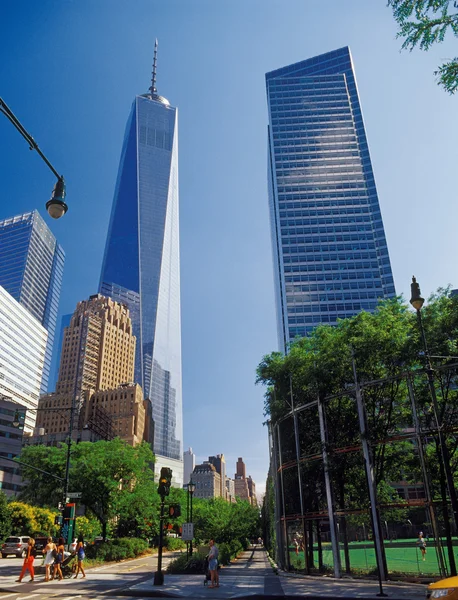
(70, 70)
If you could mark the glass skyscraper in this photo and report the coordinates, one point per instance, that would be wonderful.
(31, 270)
(141, 265)
(330, 254)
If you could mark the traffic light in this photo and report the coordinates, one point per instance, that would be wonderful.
(174, 511)
(165, 481)
(58, 520)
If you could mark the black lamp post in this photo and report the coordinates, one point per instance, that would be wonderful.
(56, 206)
(417, 302)
(191, 490)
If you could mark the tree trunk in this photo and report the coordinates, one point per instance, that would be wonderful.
(310, 545)
(320, 548)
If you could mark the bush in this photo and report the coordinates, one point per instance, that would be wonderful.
(118, 549)
(236, 547)
(196, 564)
(172, 543)
(224, 554)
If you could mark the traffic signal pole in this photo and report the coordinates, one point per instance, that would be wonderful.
(165, 481)
(159, 575)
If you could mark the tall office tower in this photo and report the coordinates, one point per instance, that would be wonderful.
(189, 462)
(10, 477)
(219, 463)
(98, 353)
(141, 265)
(329, 248)
(31, 269)
(23, 343)
(240, 470)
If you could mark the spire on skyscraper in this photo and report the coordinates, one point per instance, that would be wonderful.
(153, 88)
(153, 95)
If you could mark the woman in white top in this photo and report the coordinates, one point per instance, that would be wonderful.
(49, 558)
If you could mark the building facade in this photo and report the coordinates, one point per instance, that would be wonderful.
(141, 265)
(23, 345)
(10, 446)
(125, 407)
(98, 353)
(31, 270)
(240, 469)
(189, 462)
(219, 463)
(207, 481)
(329, 248)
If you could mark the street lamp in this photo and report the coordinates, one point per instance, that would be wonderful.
(56, 206)
(417, 302)
(191, 490)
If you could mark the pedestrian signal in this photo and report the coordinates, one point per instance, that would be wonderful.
(58, 520)
(174, 511)
(165, 481)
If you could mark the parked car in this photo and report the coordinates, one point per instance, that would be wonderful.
(445, 588)
(16, 545)
(40, 544)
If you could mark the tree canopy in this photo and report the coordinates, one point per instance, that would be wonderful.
(423, 23)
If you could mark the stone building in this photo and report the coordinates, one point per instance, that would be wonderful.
(126, 408)
(207, 480)
(96, 366)
(219, 463)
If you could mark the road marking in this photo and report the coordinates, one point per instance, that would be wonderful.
(71, 597)
(31, 596)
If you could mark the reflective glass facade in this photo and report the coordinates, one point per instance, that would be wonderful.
(31, 270)
(23, 343)
(329, 248)
(141, 266)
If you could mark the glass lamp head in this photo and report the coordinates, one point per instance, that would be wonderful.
(56, 207)
(416, 300)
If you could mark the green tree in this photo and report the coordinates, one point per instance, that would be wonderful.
(423, 23)
(88, 526)
(23, 518)
(42, 489)
(5, 517)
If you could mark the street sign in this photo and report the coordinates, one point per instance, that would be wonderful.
(74, 494)
(187, 532)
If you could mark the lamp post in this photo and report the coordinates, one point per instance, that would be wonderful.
(191, 490)
(417, 302)
(56, 206)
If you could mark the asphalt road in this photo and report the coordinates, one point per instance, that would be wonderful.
(105, 580)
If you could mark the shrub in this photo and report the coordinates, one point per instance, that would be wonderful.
(224, 554)
(117, 549)
(172, 543)
(196, 564)
(236, 547)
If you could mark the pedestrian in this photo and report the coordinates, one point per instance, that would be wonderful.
(49, 556)
(213, 564)
(28, 561)
(58, 558)
(80, 555)
(421, 542)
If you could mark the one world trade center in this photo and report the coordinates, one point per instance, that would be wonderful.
(141, 265)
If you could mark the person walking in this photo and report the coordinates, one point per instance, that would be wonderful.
(80, 555)
(28, 561)
(58, 559)
(213, 564)
(49, 557)
(421, 542)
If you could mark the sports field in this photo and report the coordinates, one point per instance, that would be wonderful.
(401, 558)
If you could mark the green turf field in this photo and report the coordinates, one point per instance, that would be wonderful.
(400, 559)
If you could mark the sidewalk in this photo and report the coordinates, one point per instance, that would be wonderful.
(252, 577)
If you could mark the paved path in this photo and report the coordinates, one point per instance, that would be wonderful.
(250, 577)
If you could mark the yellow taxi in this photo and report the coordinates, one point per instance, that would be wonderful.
(445, 588)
